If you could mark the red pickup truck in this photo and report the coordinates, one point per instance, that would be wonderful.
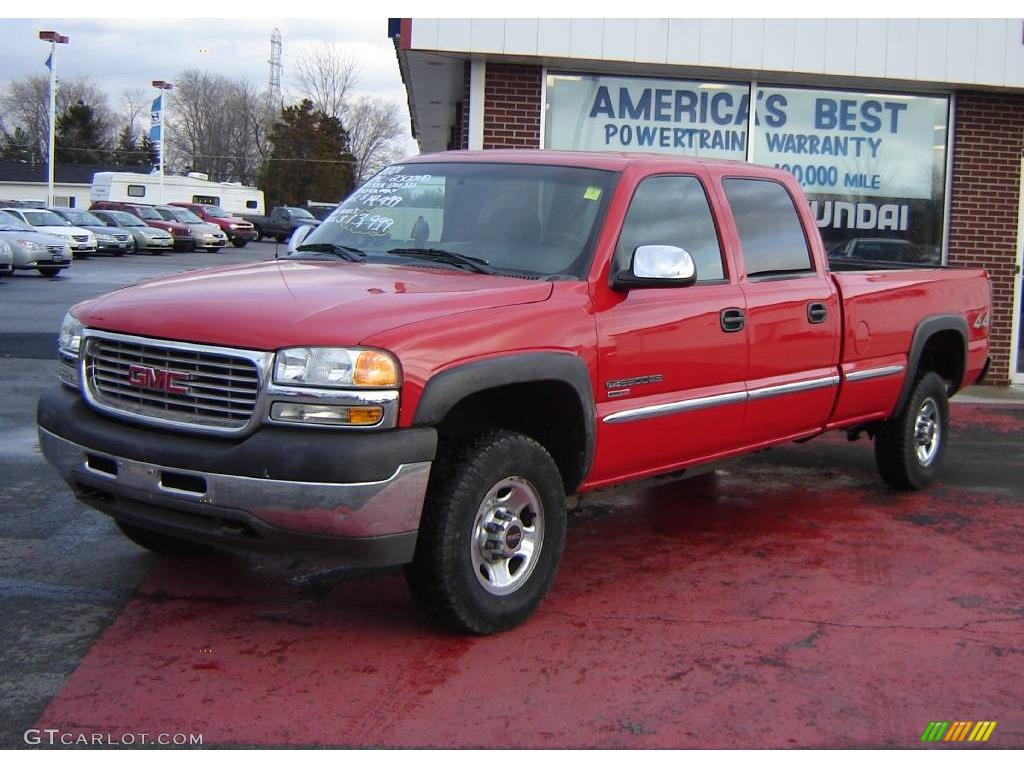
(471, 337)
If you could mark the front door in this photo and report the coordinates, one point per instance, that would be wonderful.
(671, 386)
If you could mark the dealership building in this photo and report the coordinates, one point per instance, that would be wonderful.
(907, 135)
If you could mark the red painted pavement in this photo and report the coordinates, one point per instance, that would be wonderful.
(791, 600)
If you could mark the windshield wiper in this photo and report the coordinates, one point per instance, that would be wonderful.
(346, 252)
(447, 257)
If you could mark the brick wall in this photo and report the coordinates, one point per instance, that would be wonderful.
(987, 145)
(512, 106)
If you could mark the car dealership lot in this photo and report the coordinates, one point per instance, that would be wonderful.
(787, 600)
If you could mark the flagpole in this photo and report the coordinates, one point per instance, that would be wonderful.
(53, 38)
(53, 120)
(164, 88)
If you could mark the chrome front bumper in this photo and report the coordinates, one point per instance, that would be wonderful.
(261, 507)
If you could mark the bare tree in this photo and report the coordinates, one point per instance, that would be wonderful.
(25, 104)
(326, 76)
(374, 126)
(133, 104)
(218, 126)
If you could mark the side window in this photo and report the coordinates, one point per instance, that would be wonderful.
(771, 236)
(136, 190)
(251, 204)
(672, 210)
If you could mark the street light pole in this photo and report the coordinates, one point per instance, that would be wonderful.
(164, 87)
(53, 38)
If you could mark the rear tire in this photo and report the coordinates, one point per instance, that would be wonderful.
(909, 448)
(492, 533)
(161, 543)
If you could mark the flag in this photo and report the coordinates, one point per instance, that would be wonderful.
(49, 61)
(154, 134)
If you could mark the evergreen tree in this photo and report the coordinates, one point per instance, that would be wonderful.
(80, 137)
(17, 145)
(310, 159)
(126, 152)
(148, 154)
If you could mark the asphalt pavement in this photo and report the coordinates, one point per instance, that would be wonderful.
(788, 600)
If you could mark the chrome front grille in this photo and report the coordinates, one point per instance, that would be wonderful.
(176, 383)
(56, 250)
(81, 238)
(122, 238)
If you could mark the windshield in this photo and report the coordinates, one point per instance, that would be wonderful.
(216, 210)
(520, 219)
(83, 219)
(184, 215)
(125, 219)
(150, 214)
(299, 213)
(10, 222)
(44, 219)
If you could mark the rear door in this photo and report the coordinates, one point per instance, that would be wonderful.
(671, 379)
(792, 313)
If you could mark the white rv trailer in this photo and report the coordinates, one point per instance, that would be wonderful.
(194, 188)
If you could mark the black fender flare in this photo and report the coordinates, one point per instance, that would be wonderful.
(444, 390)
(927, 328)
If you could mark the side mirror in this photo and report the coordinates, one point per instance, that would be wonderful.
(657, 266)
(300, 234)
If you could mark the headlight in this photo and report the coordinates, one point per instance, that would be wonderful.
(70, 339)
(31, 245)
(333, 367)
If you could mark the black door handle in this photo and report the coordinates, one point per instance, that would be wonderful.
(816, 312)
(732, 319)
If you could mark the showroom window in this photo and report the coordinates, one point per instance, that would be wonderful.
(873, 165)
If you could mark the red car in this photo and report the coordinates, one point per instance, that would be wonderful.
(239, 231)
(183, 237)
(473, 336)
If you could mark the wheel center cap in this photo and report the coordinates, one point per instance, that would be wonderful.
(513, 537)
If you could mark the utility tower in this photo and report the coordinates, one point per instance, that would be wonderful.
(274, 87)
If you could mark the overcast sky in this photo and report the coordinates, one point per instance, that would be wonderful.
(130, 53)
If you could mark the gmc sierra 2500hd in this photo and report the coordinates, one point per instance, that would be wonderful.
(470, 337)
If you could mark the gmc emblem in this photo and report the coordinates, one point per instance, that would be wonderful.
(157, 378)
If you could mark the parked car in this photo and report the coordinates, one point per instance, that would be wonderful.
(144, 237)
(183, 239)
(425, 385)
(239, 231)
(109, 239)
(209, 237)
(321, 212)
(6, 258)
(876, 252)
(282, 221)
(81, 241)
(33, 249)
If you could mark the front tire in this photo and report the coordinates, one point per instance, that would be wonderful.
(909, 448)
(492, 534)
(161, 543)
(49, 271)
(239, 242)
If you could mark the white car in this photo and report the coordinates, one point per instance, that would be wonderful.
(81, 241)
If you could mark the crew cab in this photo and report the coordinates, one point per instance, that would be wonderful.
(183, 239)
(470, 338)
(239, 231)
(282, 221)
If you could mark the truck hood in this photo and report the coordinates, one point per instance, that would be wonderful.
(274, 304)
